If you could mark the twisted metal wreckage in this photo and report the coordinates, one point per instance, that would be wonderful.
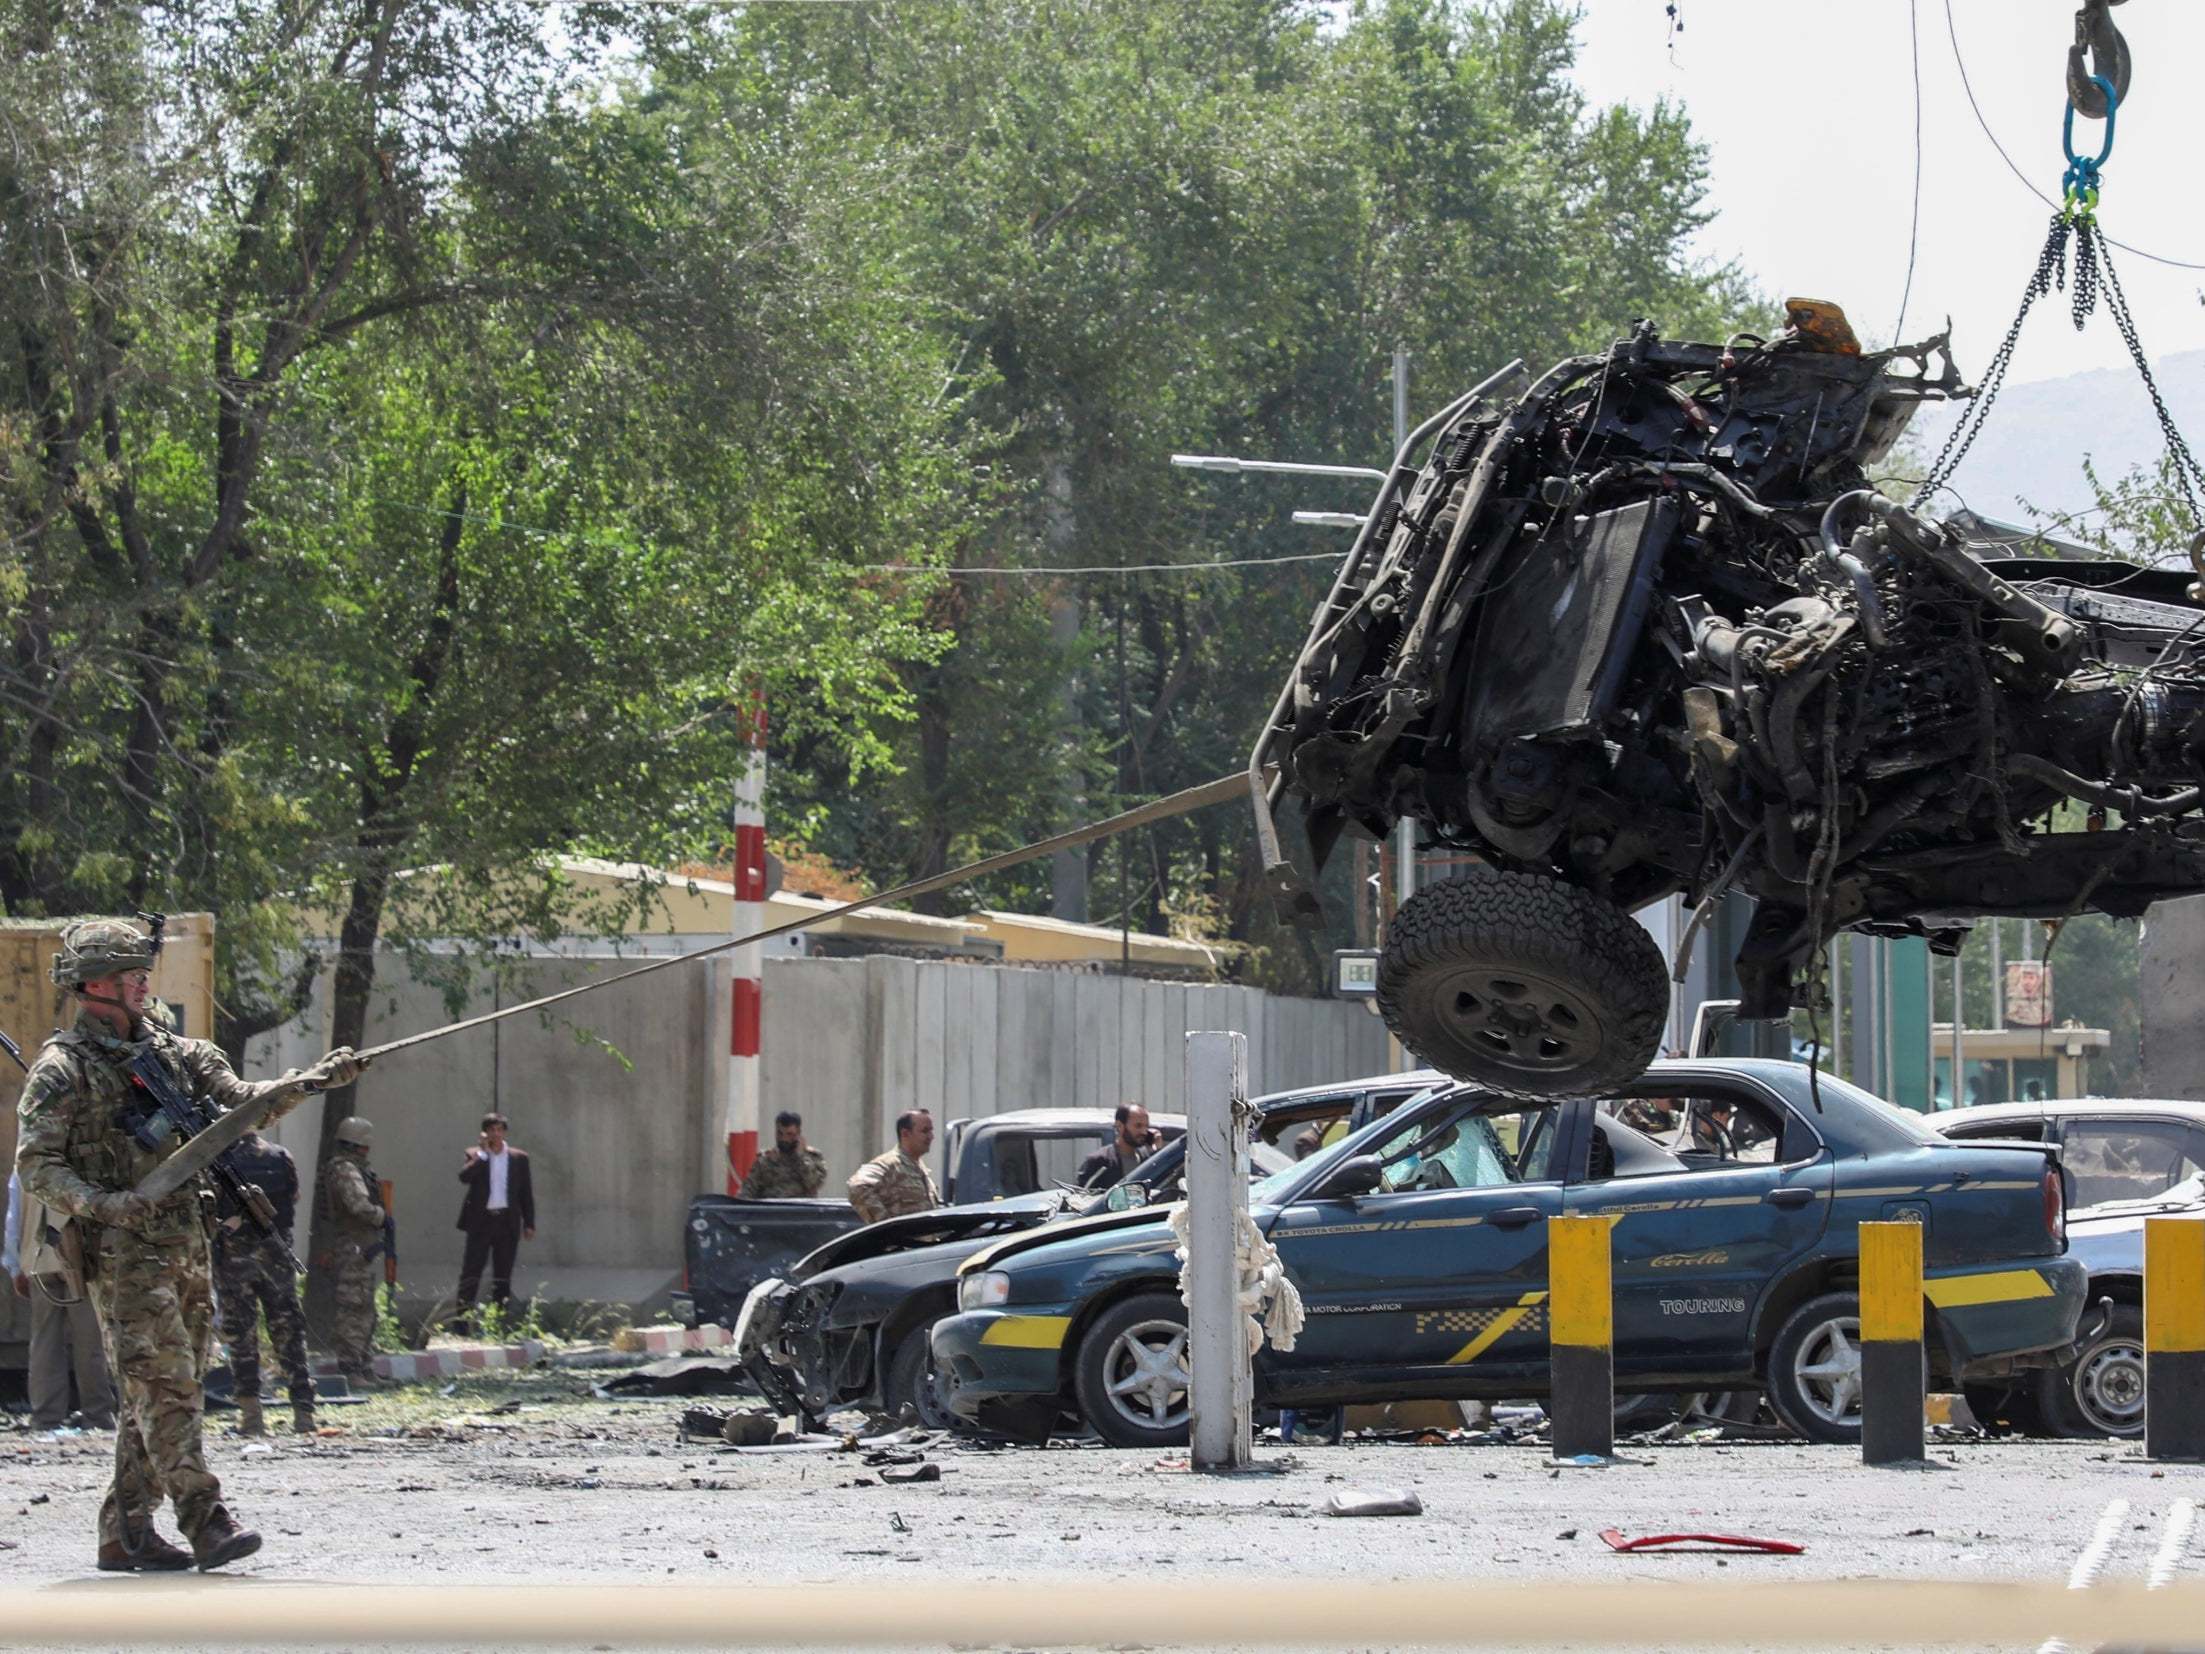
(1648, 629)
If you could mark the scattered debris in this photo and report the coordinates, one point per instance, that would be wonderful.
(1388, 1501)
(513, 1406)
(681, 1376)
(896, 1522)
(1689, 1543)
(917, 1473)
(750, 1427)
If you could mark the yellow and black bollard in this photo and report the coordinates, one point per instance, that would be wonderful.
(1891, 1373)
(2174, 1338)
(1581, 1336)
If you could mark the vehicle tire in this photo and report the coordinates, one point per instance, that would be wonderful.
(1130, 1375)
(2101, 1392)
(2005, 1409)
(1523, 984)
(1814, 1369)
(909, 1381)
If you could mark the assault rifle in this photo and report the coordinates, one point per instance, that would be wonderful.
(178, 1115)
(387, 1247)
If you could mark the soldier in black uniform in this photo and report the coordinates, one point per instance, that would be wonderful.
(252, 1278)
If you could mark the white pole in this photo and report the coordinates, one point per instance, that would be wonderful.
(1220, 1384)
(748, 916)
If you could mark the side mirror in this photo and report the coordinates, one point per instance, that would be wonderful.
(1124, 1197)
(1357, 1175)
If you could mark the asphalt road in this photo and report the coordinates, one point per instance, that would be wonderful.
(595, 1493)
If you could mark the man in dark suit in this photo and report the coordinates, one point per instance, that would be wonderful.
(498, 1213)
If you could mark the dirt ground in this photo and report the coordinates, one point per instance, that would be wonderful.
(423, 1486)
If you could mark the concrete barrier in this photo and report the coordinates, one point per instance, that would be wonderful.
(1892, 1376)
(1581, 1323)
(2174, 1338)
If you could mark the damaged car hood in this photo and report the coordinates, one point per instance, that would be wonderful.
(924, 1229)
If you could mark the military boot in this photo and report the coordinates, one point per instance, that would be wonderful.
(152, 1555)
(220, 1540)
(249, 1421)
(302, 1416)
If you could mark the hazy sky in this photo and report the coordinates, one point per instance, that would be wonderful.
(1808, 108)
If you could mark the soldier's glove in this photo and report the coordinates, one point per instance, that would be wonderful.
(335, 1071)
(122, 1209)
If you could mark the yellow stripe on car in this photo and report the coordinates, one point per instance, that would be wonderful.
(1028, 1332)
(2002, 1286)
(1503, 1322)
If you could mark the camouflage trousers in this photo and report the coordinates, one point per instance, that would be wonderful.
(251, 1279)
(352, 1328)
(156, 1310)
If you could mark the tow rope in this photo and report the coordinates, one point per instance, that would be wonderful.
(196, 1155)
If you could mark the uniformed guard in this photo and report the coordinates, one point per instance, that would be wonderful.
(347, 1198)
(792, 1169)
(88, 1137)
(252, 1279)
(897, 1183)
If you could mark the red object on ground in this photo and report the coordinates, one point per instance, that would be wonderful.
(1700, 1542)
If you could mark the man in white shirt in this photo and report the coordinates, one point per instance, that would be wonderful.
(498, 1213)
(63, 1336)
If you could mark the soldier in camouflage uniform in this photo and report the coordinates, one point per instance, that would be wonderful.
(146, 1262)
(346, 1201)
(894, 1184)
(792, 1169)
(252, 1278)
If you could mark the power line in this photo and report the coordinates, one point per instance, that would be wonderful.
(1914, 226)
(1953, 32)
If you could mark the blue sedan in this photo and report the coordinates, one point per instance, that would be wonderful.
(1419, 1248)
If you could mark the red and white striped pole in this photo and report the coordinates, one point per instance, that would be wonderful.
(749, 918)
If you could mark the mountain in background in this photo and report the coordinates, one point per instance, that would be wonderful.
(2032, 450)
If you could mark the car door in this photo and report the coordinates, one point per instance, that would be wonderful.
(1441, 1269)
(1735, 1190)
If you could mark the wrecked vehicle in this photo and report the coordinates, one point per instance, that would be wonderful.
(2126, 1162)
(731, 1244)
(1419, 1245)
(1649, 629)
(847, 1326)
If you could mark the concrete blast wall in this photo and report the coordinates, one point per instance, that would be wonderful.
(848, 1043)
(2168, 987)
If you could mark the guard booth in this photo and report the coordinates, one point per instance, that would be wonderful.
(31, 1007)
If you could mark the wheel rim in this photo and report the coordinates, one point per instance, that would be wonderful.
(926, 1395)
(1145, 1375)
(1519, 1019)
(2108, 1387)
(1827, 1371)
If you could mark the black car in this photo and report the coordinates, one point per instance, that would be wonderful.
(847, 1325)
(1015, 1158)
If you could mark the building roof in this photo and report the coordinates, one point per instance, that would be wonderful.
(1034, 936)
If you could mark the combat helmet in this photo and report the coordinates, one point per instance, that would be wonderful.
(356, 1131)
(93, 948)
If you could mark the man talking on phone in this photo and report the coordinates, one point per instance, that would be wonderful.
(498, 1213)
(1133, 1143)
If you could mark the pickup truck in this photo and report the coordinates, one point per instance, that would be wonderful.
(730, 1244)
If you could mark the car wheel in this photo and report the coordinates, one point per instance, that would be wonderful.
(1814, 1369)
(911, 1381)
(2101, 1392)
(1131, 1372)
(1523, 984)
